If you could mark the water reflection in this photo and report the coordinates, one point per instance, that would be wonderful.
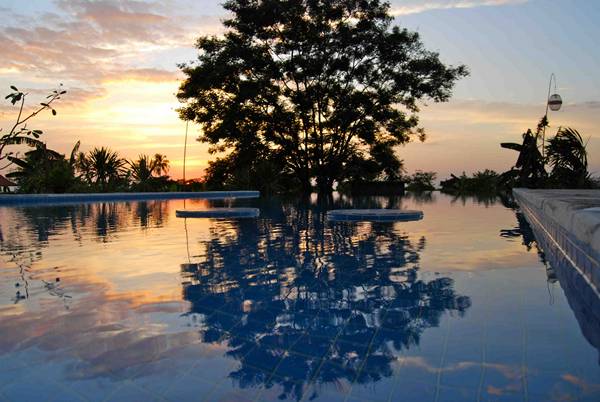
(582, 299)
(35, 225)
(299, 301)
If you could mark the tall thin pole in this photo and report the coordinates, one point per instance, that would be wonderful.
(187, 122)
(546, 115)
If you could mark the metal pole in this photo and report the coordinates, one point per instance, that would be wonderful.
(187, 122)
(546, 115)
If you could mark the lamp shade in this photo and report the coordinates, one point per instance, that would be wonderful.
(555, 102)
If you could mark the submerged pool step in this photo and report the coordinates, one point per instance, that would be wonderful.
(218, 213)
(374, 215)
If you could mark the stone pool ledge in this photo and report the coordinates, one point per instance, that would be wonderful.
(571, 220)
(18, 199)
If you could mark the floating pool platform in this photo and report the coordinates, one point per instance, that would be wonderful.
(16, 199)
(219, 213)
(374, 215)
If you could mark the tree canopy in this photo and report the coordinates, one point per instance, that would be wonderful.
(321, 86)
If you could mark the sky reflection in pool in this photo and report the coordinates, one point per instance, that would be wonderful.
(123, 301)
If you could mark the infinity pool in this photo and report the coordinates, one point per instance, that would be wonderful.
(124, 301)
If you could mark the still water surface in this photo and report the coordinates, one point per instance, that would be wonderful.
(124, 301)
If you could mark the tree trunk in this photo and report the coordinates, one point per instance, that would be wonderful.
(325, 185)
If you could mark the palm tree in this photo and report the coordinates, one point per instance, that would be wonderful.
(161, 164)
(530, 163)
(103, 166)
(142, 169)
(567, 156)
(43, 170)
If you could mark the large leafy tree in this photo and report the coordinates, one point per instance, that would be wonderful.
(322, 84)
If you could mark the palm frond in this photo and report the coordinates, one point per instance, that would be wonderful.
(20, 140)
(74, 153)
(512, 145)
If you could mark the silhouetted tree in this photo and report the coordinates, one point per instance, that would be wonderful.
(43, 170)
(161, 164)
(19, 133)
(321, 84)
(567, 157)
(421, 181)
(102, 168)
(143, 172)
(529, 169)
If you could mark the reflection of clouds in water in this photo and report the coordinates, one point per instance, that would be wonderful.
(106, 332)
(260, 302)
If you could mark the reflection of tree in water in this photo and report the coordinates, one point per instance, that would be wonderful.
(103, 219)
(279, 291)
(582, 299)
(523, 231)
(31, 228)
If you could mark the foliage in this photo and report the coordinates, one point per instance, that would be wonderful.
(43, 170)
(19, 133)
(250, 171)
(46, 171)
(482, 182)
(421, 181)
(567, 158)
(103, 169)
(143, 170)
(161, 164)
(323, 85)
(529, 170)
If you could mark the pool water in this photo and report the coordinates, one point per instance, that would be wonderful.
(125, 301)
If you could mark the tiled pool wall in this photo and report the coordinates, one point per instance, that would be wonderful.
(562, 248)
(15, 199)
(582, 295)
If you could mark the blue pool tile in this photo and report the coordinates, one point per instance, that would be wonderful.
(409, 391)
(565, 384)
(455, 394)
(506, 380)
(31, 389)
(67, 396)
(93, 389)
(462, 374)
(230, 392)
(188, 388)
(379, 390)
(132, 393)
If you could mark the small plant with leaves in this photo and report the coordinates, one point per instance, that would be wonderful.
(20, 133)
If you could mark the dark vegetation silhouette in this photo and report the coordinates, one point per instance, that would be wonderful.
(310, 91)
(20, 133)
(486, 182)
(565, 155)
(420, 181)
(43, 170)
(563, 164)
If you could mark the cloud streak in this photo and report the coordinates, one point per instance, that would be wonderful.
(414, 7)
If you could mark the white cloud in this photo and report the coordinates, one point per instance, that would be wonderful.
(404, 7)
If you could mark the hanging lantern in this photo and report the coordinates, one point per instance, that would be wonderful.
(555, 102)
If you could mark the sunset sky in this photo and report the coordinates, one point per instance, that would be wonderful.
(117, 59)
